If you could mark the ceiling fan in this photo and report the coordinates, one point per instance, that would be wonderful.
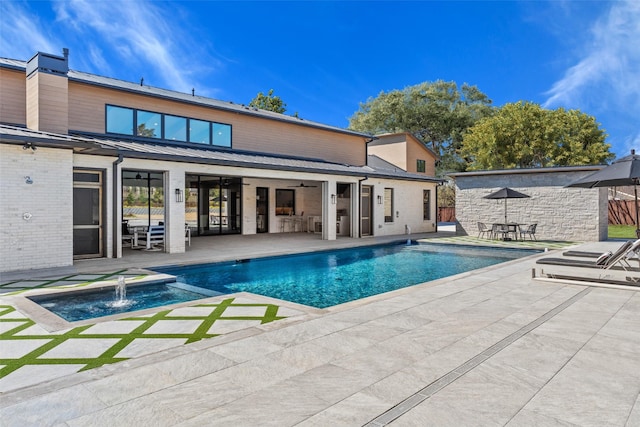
(302, 185)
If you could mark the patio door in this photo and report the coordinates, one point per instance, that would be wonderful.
(87, 214)
(366, 210)
(262, 210)
(217, 201)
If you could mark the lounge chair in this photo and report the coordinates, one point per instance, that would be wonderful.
(608, 260)
(587, 254)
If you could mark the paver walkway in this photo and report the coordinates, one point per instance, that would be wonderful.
(493, 347)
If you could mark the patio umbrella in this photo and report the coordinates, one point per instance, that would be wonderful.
(625, 171)
(506, 193)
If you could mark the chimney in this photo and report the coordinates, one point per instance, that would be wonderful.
(48, 92)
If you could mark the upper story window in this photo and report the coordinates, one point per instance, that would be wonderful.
(149, 124)
(421, 166)
(175, 128)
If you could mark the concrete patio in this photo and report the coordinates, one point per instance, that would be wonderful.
(490, 347)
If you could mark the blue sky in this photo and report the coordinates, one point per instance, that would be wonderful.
(323, 58)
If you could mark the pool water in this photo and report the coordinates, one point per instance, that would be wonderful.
(89, 304)
(320, 279)
(324, 279)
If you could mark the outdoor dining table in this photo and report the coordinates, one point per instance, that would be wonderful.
(506, 229)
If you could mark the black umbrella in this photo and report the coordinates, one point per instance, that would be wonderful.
(625, 171)
(506, 193)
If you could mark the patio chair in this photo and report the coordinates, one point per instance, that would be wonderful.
(127, 235)
(502, 231)
(483, 229)
(153, 237)
(187, 234)
(530, 230)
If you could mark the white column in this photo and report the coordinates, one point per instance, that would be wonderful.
(329, 219)
(174, 212)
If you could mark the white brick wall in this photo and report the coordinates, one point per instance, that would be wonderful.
(567, 214)
(36, 220)
(407, 203)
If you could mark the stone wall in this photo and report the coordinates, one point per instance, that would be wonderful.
(567, 214)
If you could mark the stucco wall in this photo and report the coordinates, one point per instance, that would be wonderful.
(567, 214)
(36, 219)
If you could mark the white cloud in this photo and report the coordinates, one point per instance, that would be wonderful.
(139, 33)
(608, 66)
(24, 34)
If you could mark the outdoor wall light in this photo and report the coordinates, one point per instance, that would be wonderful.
(333, 199)
(28, 180)
(28, 145)
(179, 195)
(379, 199)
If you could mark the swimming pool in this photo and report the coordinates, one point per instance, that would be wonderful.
(319, 279)
(324, 279)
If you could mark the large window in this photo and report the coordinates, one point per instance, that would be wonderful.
(199, 131)
(388, 205)
(175, 128)
(421, 166)
(119, 120)
(149, 124)
(426, 205)
(285, 202)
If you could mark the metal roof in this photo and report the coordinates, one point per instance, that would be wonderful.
(92, 79)
(195, 154)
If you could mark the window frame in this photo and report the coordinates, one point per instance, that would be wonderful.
(285, 210)
(426, 205)
(421, 165)
(388, 204)
(227, 143)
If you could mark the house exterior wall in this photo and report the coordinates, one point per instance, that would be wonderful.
(87, 114)
(415, 152)
(567, 214)
(407, 207)
(403, 150)
(37, 218)
(13, 107)
(394, 152)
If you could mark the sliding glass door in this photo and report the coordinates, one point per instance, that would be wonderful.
(217, 201)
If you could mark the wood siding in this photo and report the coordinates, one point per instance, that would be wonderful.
(87, 113)
(13, 87)
(417, 151)
(47, 103)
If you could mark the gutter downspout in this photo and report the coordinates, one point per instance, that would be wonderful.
(115, 204)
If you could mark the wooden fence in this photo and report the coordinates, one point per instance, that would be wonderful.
(446, 214)
(622, 212)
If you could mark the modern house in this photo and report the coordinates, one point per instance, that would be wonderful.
(85, 159)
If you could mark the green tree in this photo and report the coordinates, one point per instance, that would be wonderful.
(438, 113)
(269, 102)
(525, 135)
